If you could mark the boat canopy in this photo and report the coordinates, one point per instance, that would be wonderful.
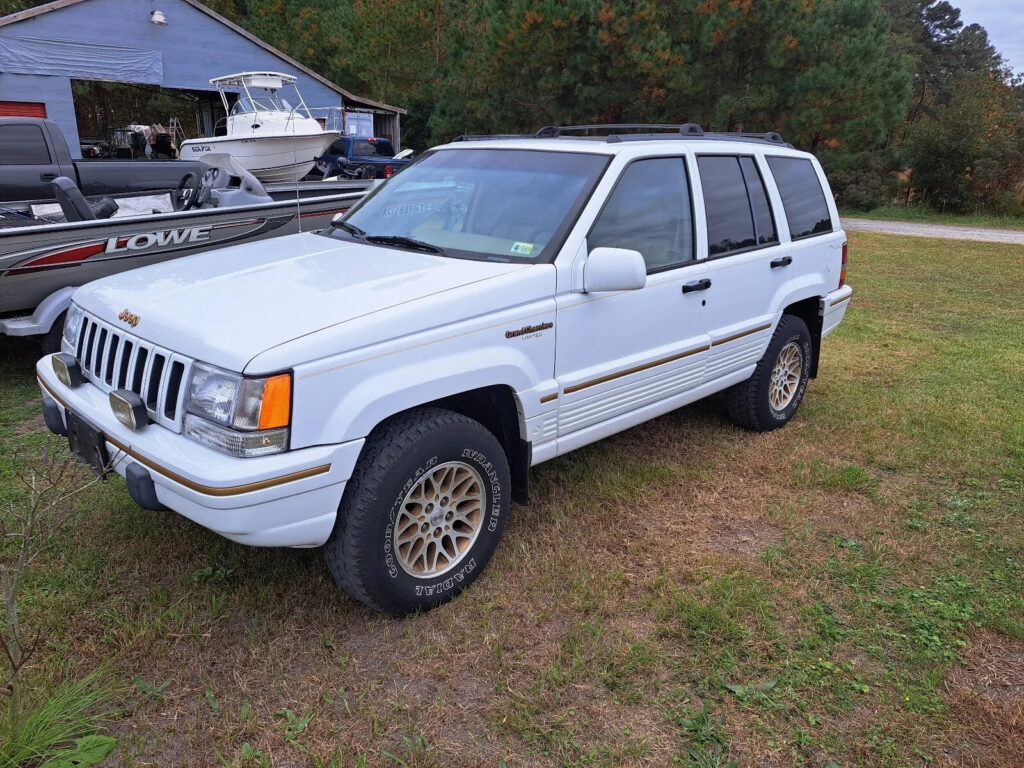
(269, 80)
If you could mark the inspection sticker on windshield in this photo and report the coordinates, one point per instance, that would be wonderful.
(522, 249)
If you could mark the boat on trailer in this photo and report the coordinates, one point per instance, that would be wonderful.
(268, 135)
(43, 262)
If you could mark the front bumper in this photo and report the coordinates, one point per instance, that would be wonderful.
(285, 500)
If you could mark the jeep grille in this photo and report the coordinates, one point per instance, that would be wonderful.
(112, 359)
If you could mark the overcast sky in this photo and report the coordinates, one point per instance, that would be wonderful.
(1004, 22)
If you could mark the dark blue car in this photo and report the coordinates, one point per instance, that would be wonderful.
(360, 157)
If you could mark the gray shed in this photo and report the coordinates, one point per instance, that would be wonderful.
(175, 44)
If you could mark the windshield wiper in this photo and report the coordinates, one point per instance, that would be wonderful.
(352, 229)
(405, 242)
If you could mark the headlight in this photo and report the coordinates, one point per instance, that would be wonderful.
(72, 320)
(238, 415)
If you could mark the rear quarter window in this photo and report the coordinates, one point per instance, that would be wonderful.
(802, 196)
(23, 145)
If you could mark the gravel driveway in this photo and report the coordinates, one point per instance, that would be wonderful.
(983, 234)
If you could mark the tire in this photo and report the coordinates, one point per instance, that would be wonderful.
(51, 340)
(412, 462)
(770, 398)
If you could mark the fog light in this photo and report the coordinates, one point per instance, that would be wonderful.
(66, 368)
(129, 409)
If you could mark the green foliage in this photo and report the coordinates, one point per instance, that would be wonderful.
(968, 153)
(58, 729)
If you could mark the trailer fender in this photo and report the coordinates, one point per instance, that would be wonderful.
(42, 319)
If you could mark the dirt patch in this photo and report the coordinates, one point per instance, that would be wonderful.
(744, 537)
(993, 670)
(29, 426)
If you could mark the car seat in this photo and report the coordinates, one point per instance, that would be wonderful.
(75, 206)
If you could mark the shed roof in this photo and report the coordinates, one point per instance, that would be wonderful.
(350, 98)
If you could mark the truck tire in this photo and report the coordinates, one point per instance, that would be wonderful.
(51, 340)
(769, 398)
(423, 512)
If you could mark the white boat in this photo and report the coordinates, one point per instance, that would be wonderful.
(266, 135)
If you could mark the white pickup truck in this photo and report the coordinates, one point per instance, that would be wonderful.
(382, 387)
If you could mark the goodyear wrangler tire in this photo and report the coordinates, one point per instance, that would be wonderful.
(770, 398)
(423, 512)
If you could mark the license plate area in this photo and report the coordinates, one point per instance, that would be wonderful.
(87, 444)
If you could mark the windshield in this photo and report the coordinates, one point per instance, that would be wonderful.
(494, 204)
(270, 102)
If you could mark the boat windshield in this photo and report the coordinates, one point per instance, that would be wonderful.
(491, 204)
(268, 103)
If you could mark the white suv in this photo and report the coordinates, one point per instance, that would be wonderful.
(381, 388)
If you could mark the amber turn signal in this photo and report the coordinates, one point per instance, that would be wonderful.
(276, 408)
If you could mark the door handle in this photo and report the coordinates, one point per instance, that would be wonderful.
(47, 176)
(699, 285)
(785, 261)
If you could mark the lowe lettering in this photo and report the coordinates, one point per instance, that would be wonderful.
(144, 240)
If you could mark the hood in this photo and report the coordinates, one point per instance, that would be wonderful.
(225, 307)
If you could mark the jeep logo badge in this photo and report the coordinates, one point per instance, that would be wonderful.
(128, 317)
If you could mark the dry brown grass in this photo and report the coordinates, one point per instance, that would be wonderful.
(584, 641)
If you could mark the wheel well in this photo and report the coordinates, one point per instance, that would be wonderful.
(498, 410)
(809, 310)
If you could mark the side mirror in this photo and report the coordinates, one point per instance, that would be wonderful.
(614, 269)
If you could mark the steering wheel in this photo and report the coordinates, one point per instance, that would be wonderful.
(184, 197)
(210, 177)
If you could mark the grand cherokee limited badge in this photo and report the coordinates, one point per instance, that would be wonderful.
(128, 317)
(528, 329)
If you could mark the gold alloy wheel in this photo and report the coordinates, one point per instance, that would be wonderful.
(786, 376)
(439, 520)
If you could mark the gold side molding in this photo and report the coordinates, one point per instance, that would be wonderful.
(735, 336)
(840, 301)
(549, 398)
(207, 490)
(637, 369)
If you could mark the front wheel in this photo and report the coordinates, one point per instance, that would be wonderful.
(423, 512)
(770, 398)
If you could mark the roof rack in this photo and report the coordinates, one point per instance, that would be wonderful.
(654, 132)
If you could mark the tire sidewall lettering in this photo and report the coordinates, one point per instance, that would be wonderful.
(454, 580)
(805, 369)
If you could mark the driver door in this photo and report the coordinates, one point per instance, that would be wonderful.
(626, 356)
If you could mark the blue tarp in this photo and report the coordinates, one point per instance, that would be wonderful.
(84, 61)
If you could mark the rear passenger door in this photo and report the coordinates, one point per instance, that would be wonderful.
(25, 163)
(745, 258)
(621, 357)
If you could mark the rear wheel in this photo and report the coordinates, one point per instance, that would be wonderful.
(423, 512)
(770, 398)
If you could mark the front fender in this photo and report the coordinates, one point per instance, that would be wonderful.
(346, 401)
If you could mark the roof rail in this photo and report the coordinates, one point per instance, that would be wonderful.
(485, 136)
(625, 132)
(555, 131)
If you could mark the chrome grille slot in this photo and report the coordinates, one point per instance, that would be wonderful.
(112, 359)
(126, 357)
(112, 354)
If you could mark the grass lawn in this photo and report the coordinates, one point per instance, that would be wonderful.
(925, 215)
(846, 591)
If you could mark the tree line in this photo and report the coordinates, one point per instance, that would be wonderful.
(900, 99)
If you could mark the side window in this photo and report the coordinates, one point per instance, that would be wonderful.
(23, 145)
(649, 211)
(802, 196)
(726, 205)
(736, 204)
(764, 224)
